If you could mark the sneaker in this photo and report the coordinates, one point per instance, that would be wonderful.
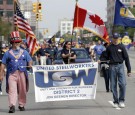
(115, 105)
(12, 109)
(121, 105)
(21, 108)
(1, 93)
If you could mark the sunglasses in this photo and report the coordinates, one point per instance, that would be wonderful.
(68, 44)
(16, 42)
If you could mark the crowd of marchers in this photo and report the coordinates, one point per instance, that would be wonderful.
(16, 62)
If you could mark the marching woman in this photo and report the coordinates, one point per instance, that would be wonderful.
(68, 54)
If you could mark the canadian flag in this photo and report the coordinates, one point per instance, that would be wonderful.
(91, 22)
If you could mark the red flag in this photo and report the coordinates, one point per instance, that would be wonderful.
(91, 22)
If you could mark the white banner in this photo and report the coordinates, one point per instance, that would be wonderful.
(65, 82)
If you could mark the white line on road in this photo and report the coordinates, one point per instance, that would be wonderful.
(111, 102)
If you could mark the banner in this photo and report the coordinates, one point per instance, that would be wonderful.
(65, 82)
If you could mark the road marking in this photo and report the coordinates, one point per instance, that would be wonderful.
(111, 102)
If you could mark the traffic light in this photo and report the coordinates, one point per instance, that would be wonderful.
(44, 32)
(40, 17)
(37, 16)
(39, 7)
(47, 30)
(35, 7)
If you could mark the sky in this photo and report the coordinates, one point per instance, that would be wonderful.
(55, 10)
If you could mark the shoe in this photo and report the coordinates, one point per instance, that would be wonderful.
(115, 105)
(121, 105)
(21, 108)
(1, 93)
(12, 109)
(107, 91)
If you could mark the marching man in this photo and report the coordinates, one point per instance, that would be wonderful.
(16, 60)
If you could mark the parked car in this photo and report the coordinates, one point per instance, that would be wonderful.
(81, 56)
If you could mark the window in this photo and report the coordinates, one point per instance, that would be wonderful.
(80, 54)
(9, 1)
(69, 24)
(63, 24)
(1, 12)
(63, 28)
(68, 28)
(9, 13)
(133, 0)
(1, 1)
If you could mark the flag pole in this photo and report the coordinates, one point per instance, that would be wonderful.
(77, 12)
(14, 4)
(77, 22)
(77, 19)
(77, 1)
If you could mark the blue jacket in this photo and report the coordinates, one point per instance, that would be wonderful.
(16, 62)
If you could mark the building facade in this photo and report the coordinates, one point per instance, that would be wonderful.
(66, 26)
(28, 12)
(6, 10)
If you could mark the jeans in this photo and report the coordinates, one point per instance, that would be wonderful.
(97, 57)
(49, 61)
(117, 75)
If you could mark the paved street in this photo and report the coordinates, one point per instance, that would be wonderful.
(100, 106)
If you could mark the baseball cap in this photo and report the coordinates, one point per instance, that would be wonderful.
(116, 35)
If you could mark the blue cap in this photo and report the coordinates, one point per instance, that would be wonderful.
(126, 33)
(116, 35)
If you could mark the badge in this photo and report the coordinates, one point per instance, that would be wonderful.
(119, 50)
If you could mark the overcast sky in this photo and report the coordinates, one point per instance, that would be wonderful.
(55, 10)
